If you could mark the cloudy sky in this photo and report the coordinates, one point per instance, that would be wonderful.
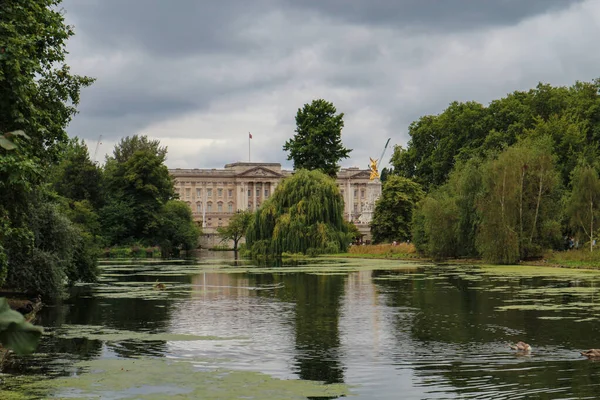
(200, 74)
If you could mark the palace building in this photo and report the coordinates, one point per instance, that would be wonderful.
(215, 195)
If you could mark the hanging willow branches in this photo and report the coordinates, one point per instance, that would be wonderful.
(304, 215)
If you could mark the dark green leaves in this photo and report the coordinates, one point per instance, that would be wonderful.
(15, 333)
(317, 143)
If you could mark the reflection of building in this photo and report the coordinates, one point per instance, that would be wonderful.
(214, 195)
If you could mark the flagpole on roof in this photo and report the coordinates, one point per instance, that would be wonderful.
(249, 138)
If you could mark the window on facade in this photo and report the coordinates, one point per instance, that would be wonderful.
(230, 192)
(266, 193)
(220, 192)
(355, 207)
(355, 192)
(249, 206)
(198, 207)
(188, 193)
(230, 207)
(257, 192)
(209, 207)
(219, 207)
(209, 192)
(198, 193)
(362, 193)
(249, 192)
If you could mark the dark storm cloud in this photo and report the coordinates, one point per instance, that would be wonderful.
(167, 28)
(209, 71)
(432, 15)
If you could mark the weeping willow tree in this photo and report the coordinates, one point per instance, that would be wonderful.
(304, 215)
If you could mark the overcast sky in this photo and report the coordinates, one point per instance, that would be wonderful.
(200, 74)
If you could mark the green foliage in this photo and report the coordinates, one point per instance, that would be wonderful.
(178, 231)
(38, 94)
(583, 207)
(236, 228)
(76, 177)
(519, 207)
(139, 185)
(570, 116)
(393, 211)
(353, 231)
(304, 215)
(317, 143)
(15, 333)
(38, 98)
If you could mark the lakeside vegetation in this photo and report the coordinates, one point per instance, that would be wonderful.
(59, 208)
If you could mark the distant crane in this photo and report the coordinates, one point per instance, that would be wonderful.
(98, 146)
(382, 154)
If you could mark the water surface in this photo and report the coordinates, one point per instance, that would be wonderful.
(368, 329)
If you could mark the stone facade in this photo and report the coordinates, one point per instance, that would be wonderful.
(214, 195)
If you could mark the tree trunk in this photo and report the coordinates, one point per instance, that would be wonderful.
(537, 207)
(591, 225)
(521, 204)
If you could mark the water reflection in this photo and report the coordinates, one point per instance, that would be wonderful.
(434, 332)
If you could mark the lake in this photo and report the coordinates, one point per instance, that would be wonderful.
(320, 329)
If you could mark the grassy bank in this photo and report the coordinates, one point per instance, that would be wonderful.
(581, 258)
(401, 251)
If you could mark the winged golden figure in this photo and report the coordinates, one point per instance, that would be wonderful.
(374, 172)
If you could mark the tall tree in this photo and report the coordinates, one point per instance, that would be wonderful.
(519, 207)
(38, 95)
(178, 231)
(393, 211)
(304, 215)
(76, 177)
(139, 185)
(236, 228)
(317, 143)
(584, 203)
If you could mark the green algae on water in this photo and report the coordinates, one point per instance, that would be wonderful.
(94, 332)
(159, 378)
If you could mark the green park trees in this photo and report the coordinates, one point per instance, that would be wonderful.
(393, 211)
(584, 202)
(304, 215)
(38, 96)
(236, 228)
(317, 143)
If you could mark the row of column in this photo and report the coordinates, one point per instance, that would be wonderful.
(244, 200)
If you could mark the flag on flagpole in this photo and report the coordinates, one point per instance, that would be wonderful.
(249, 135)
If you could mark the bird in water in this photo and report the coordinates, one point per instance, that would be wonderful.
(521, 346)
(591, 353)
(159, 286)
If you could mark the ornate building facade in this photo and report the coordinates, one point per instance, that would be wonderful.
(215, 195)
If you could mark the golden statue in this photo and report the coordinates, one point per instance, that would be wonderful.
(374, 172)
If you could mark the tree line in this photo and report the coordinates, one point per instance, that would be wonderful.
(57, 207)
(504, 182)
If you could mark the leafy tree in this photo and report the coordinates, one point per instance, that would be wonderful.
(317, 143)
(237, 227)
(139, 186)
(76, 177)
(393, 210)
(446, 222)
(519, 207)
(353, 231)
(38, 96)
(570, 115)
(304, 215)
(178, 231)
(127, 147)
(584, 202)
